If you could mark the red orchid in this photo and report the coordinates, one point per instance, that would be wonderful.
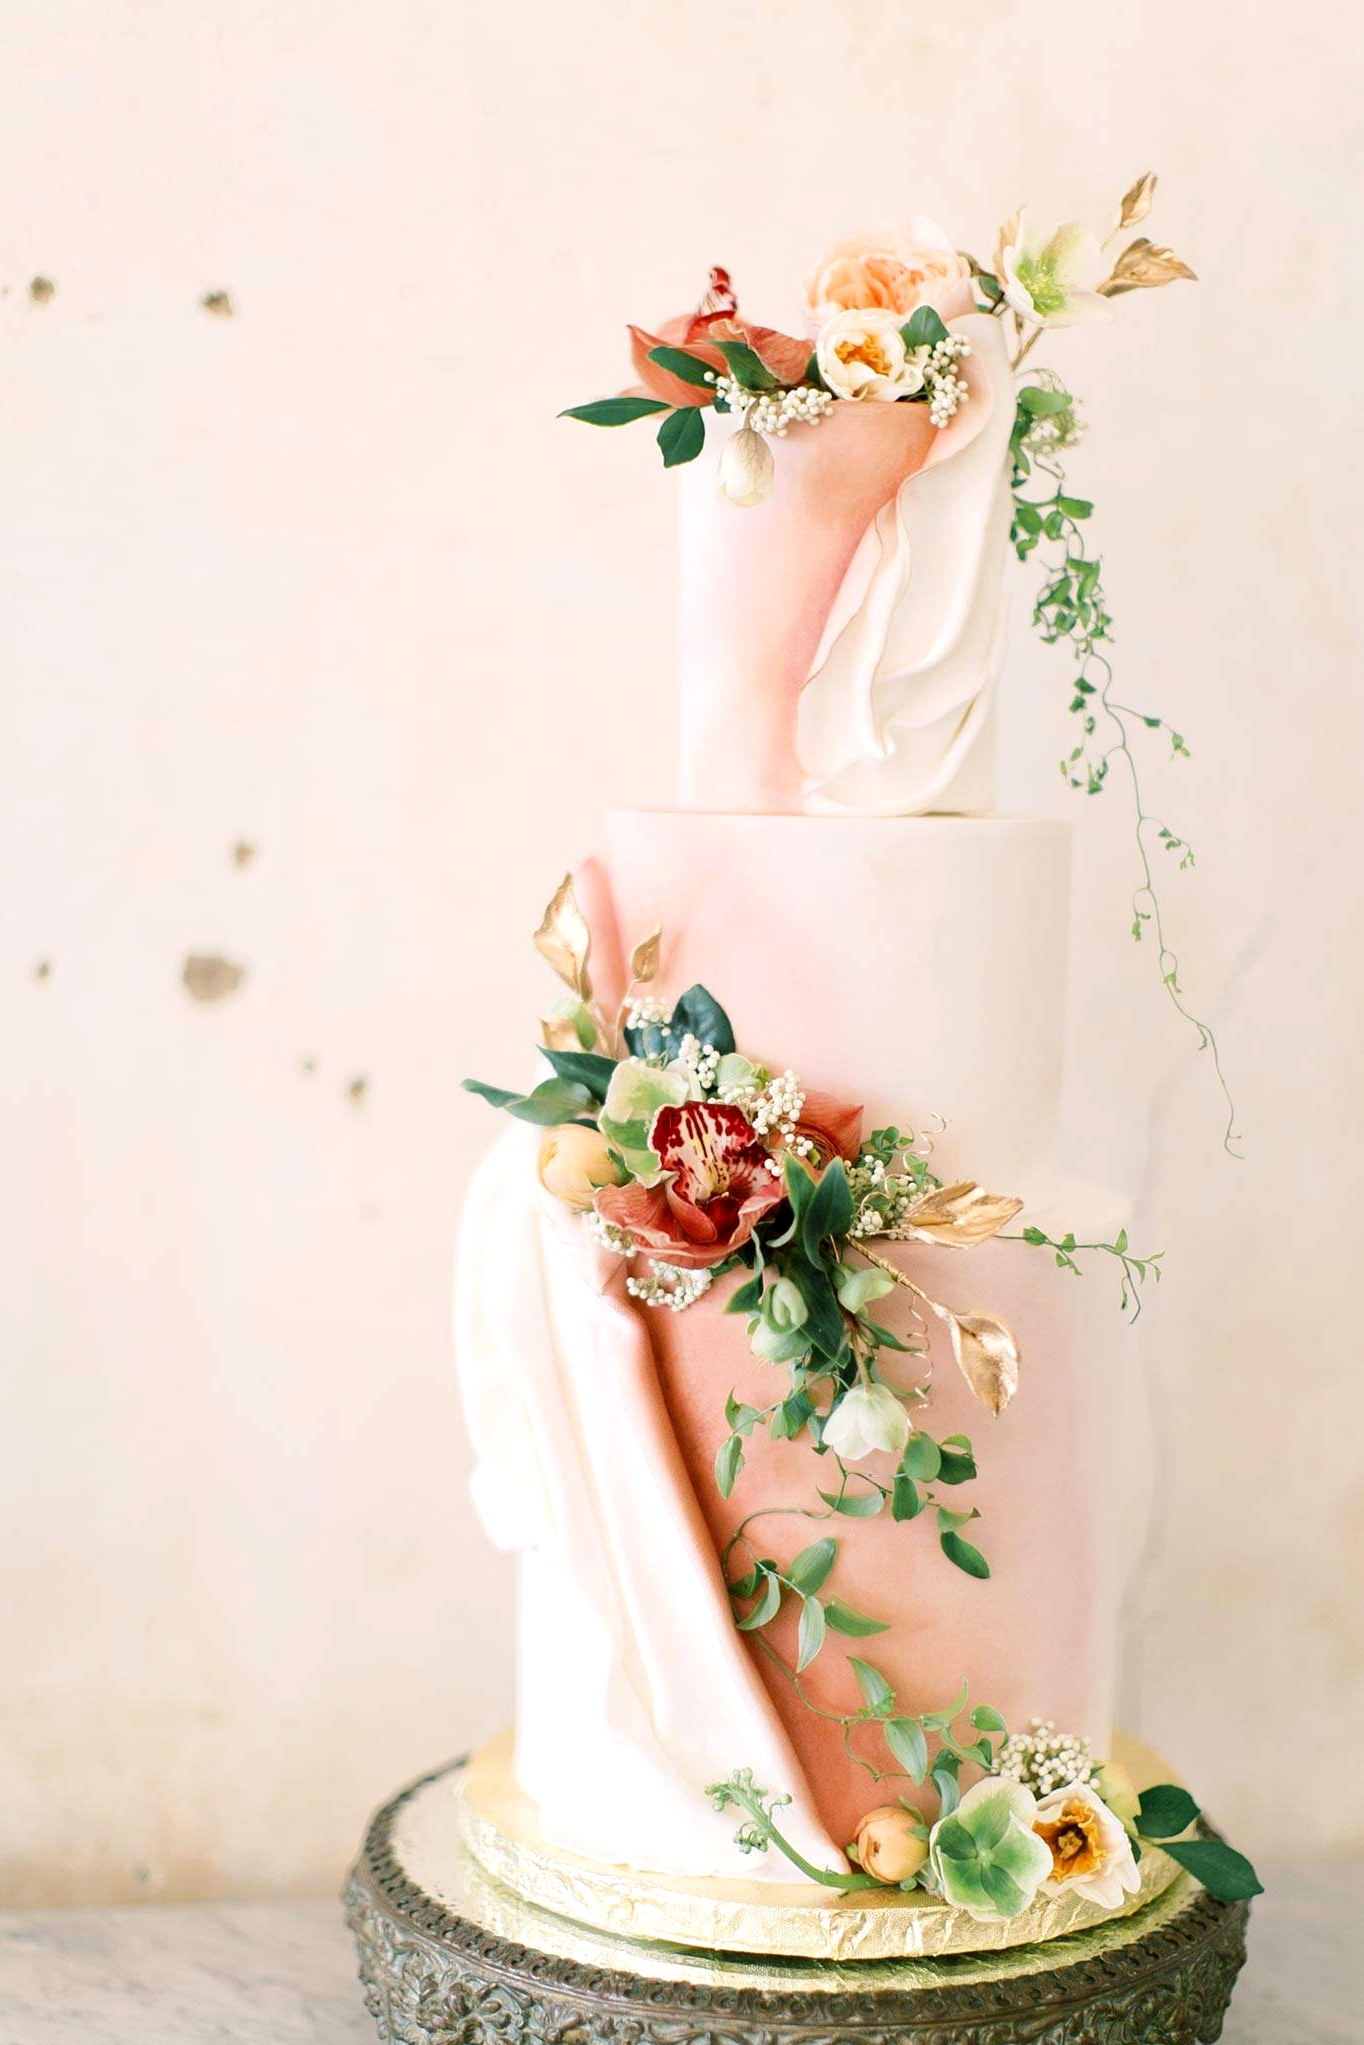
(719, 1186)
(717, 319)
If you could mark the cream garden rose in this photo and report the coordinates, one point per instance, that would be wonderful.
(574, 1162)
(895, 270)
(1091, 1854)
(863, 355)
(889, 1845)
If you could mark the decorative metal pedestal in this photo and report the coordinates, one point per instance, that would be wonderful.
(448, 1957)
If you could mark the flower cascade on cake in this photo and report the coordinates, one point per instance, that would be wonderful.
(694, 1161)
(854, 485)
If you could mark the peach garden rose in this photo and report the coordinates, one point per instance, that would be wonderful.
(892, 271)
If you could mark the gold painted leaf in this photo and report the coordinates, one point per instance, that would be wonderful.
(559, 1033)
(1136, 201)
(644, 957)
(960, 1215)
(1008, 235)
(987, 1355)
(1143, 265)
(564, 941)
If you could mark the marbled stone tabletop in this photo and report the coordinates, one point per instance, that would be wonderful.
(284, 1973)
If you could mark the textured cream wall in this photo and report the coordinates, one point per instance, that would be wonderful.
(326, 577)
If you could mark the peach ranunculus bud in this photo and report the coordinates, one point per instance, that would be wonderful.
(889, 1845)
(894, 271)
(574, 1161)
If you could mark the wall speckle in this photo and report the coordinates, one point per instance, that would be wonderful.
(357, 1093)
(43, 969)
(219, 303)
(243, 852)
(41, 290)
(210, 978)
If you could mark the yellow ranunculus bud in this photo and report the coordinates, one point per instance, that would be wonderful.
(574, 1161)
(888, 1845)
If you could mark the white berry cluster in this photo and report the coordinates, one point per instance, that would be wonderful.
(947, 389)
(1043, 1759)
(699, 1061)
(774, 411)
(645, 1009)
(667, 1286)
(1056, 431)
(881, 1198)
(609, 1234)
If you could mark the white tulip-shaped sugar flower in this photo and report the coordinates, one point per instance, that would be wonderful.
(868, 1418)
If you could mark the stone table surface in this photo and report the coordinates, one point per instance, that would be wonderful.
(284, 1973)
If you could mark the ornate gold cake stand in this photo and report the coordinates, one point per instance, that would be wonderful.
(448, 1956)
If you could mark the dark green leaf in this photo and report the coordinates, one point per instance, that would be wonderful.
(958, 1460)
(905, 1738)
(682, 435)
(812, 1566)
(746, 1586)
(814, 374)
(876, 1691)
(587, 1068)
(964, 1555)
(855, 1505)
(922, 1457)
(906, 1501)
(989, 287)
(554, 1100)
(698, 1014)
(923, 329)
(767, 1607)
(811, 1637)
(844, 1619)
(791, 1416)
(1165, 1811)
(828, 1211)
(747, 368)
(728, 1464)
(1222, 1871)
(746, 1298)
(690, 368)
(614, 411)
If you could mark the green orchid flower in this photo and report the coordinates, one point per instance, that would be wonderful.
(985, 1857)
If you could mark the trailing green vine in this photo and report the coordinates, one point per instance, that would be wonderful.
(1072, 610)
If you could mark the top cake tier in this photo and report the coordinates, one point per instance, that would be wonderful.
(840, 643)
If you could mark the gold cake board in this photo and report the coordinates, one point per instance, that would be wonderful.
(449, 1956)
(500, 1828)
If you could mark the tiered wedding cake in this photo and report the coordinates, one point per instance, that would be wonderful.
(806, 1446)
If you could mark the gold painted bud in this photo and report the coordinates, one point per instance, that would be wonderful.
(888, 1846)
(574, 1161)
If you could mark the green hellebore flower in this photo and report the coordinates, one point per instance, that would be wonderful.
(858, 1289)
(775, 1330)
(633, 1099)
(985, 1857)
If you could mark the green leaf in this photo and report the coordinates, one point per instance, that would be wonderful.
(923, 329)
(1077, 508)
(586, 1068)
(828, 1210)
(1165, 1811)
(810, 1568)
(767, 1607)
(614, 411)
(746, 1298)
(747, 368)
(856, 1625)
(855, 1505)
(814, 374)
(728, 1464)
(989, 287)
(876, 1691)
(824, 1321)
(742, 1418)
(944, 1779)
(922, 1457)
(682, 435)
(1223, 1871)
(690, 368)
(986, 1719)
(906, 1500)
(964, 1555)
(811, 1637)
(1035, 1236)
(1042, 404)
(791, 1416)
(958, 1460)
(554, 1100)
(938, 1721)
(698, 1014)
(907, 1742)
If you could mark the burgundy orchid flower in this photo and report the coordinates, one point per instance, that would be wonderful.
(721, 1184)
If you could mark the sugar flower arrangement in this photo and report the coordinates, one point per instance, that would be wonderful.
(879, 312)
(692, 1162)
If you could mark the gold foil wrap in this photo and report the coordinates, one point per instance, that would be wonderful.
(499, 1828)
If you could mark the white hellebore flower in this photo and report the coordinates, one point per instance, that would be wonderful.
(867, 1418)
(746, 468)
(1051, 274)
(863, 355)
(1090, 1851)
